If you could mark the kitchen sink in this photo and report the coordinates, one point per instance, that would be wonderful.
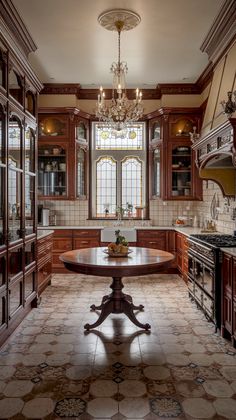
(108, 234)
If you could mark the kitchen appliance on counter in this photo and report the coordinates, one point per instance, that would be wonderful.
(43, 215)
(204, 272)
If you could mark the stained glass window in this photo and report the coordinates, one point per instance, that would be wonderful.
(131, 187)
(106, 186)
(118, 170)
(128, 139)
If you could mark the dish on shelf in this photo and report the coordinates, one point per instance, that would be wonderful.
(182, 149)
(117, 254)
(175, 166)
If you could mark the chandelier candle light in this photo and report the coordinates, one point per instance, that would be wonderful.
(119, 112)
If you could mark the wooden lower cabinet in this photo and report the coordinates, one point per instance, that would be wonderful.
(68, 239)
(159, 239)
(228, 298)
(44, 262)
(182, 255)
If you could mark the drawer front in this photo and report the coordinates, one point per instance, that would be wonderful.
(79, 243)
(62, 244)
(156, 244)
(62, 233)
(44, 251)
(151, 235)
(89, 233)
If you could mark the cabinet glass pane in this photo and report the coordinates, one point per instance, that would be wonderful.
(52, 177)
(29, 151)
(29, 284)
(15, 297)
(14, 144)
(3, 300)
(2, 270)
(81, 131)
(80, 172)
(2, 202)
(15, 262)
(181, 171)
(2, 154)
(30, 102)
(156, 172)
(52, 127)
(15, 86)
(29, 253)
(29, 203)
(2, 70)
(14, 204)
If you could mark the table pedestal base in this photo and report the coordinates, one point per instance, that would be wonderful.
(116, 303)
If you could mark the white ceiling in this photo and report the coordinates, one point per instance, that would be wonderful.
(74, 48)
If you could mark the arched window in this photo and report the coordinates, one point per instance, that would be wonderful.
(131, 181)
(119, 161)
(106, 177)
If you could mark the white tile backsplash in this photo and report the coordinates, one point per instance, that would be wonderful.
(162, 213)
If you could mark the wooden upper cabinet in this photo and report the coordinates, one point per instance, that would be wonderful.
(51, 126)
(62, 157)
(173, 173)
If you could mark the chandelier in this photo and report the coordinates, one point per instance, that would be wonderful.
(120, 111)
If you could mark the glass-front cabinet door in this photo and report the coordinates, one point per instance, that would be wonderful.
(2, 176)
(156, 166)
(29, 183)
(181, 170)
(52, 171)
(81, 172)
(15, 173)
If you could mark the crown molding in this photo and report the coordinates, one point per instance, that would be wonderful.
(61, 89)
(10, 15)
(222, 32)
(148, 94)
(178, 89)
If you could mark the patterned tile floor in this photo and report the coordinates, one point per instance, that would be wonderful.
(51, 369)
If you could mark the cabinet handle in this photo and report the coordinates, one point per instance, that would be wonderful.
(152, 242)
(84, 242)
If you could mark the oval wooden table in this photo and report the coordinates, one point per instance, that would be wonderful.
(94, 261)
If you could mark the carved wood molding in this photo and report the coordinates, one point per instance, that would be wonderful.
(75, 112)
(222, 32)
(148, 94)
(16, 25)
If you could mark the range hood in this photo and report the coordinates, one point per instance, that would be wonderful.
(216, 156)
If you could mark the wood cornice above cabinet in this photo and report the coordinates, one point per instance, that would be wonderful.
(65, 110)
(148, 94)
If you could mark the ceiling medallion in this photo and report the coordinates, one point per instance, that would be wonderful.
(119, 112)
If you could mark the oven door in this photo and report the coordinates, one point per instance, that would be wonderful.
(202, 274)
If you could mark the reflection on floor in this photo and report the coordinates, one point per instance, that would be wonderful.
(50, 369)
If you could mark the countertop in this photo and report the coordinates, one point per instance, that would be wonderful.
(184, 230)
(230, 251)
(41, 233)
(69, 227)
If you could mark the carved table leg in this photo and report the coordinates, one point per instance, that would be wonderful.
(106, 310)
(117, 302)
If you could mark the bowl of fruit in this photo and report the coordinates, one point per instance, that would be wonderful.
(120, 248)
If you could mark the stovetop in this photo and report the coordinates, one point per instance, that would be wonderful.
(214, 240)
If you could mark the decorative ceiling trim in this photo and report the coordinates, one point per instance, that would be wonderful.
(222, 32)
(148, 94)
(17, 27)
(61, 89)
(178, 89)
